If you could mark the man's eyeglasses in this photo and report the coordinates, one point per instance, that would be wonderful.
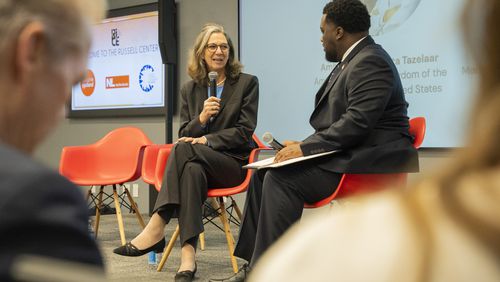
(213, 47)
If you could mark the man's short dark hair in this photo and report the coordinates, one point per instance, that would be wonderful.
(351, 15)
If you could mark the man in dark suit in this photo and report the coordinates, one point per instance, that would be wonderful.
(43, 52)
(360, 110)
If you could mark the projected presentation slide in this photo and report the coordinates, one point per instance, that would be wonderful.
(125, 69)
(423, 38)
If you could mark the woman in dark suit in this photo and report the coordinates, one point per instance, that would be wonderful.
(215, 141)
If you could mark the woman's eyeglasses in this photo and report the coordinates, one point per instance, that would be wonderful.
(213, 47)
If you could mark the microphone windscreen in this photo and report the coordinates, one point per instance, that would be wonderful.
(212, 75)
(267, 137)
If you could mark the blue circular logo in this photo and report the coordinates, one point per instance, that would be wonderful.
(147, 78)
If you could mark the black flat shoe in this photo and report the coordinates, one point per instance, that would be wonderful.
(186, 275)
(129, 250)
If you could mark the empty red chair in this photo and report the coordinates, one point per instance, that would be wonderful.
(351, 184)
(113, 160)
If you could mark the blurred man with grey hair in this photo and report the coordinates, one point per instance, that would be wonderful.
(43, 53)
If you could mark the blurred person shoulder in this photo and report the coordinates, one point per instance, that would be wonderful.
(365, 233)
(389, 236)
(23, 176)
(41, 213)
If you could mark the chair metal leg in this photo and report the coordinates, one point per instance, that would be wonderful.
(229, 236)
(119, 216)
(227, 230)
(134, 207)
(236, 208)
(98, 210)
(213, 203)
(168, 249)
(202, 241)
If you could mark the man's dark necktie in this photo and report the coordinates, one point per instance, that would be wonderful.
(334, 74)
(336, 71)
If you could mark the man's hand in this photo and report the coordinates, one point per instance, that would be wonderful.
(290, 142)
(291, 151)
(200, 140)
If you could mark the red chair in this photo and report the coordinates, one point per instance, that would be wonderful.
(149, 161)
(219, 194)
(417, 130)
(150, 174)
(113, 160)
(351, 184)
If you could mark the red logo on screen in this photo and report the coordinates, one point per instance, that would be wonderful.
(88, 84)
(120, 81)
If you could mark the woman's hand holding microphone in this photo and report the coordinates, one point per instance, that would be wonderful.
(211, 108)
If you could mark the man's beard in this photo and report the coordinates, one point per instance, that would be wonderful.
(331, 56)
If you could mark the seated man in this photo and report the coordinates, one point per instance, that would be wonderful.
(43, 52)
(360, 110)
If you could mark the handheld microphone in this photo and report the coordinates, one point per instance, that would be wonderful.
(269, 139)
(212, 77)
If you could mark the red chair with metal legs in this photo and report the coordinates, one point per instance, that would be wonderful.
(351, 184)
(219, 194)
(113, 160)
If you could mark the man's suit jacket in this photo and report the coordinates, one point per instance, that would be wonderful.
(231, 130)
(364, 115)
(41, 213)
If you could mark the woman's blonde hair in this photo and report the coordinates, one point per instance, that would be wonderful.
(197, 68)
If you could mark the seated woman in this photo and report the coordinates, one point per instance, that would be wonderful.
(215, 141)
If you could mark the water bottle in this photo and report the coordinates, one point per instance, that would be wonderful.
(154, 259)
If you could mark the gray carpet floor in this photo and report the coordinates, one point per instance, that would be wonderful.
(212, 262)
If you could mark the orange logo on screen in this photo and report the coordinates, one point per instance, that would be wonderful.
(88, 84)
(120, 81)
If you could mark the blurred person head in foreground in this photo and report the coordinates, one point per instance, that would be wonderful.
(43, 53)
